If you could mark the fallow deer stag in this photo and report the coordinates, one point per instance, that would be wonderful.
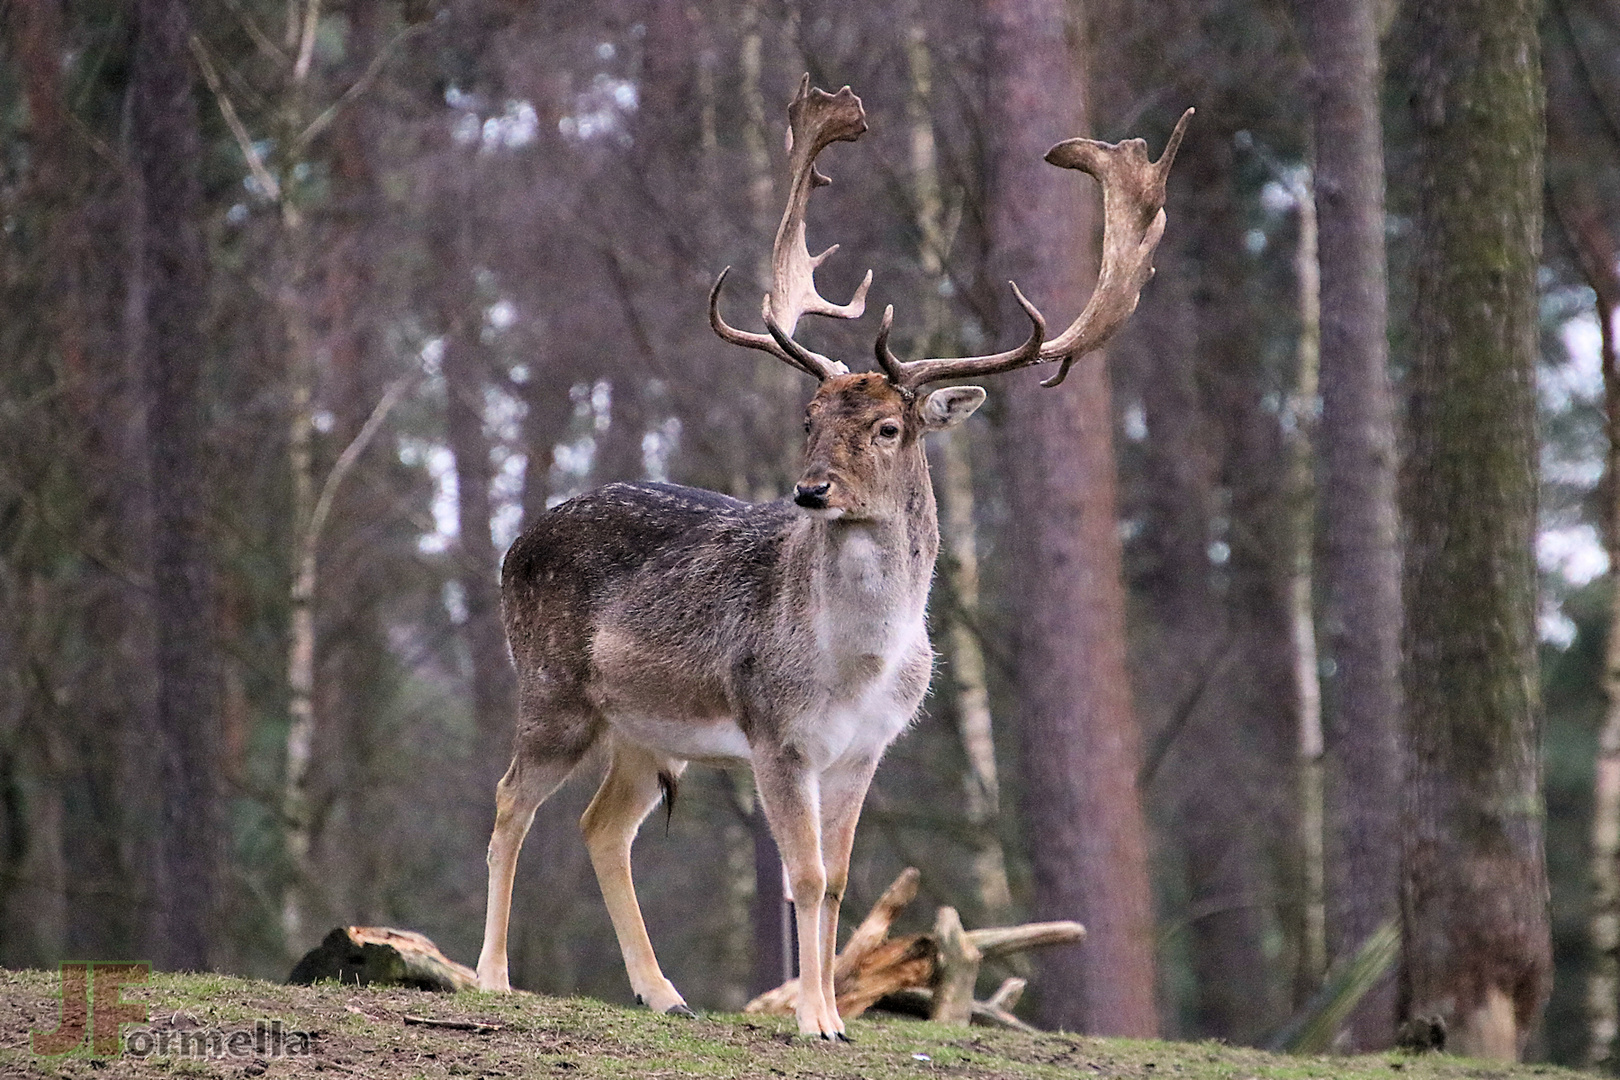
(680, 625)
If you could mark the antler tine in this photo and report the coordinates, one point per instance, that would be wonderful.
(1133, 222)
(911, 374)
(892, 366)
(815, 119)
(812, 364)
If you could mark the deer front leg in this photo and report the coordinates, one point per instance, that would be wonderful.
(790, 793)
(843, 790)
(627, 795)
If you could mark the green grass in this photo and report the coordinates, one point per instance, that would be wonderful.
(361, 1032)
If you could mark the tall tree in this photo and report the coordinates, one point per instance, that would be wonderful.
(1361, 564)
(175, 272)
(1476, 954)
(1076, 727)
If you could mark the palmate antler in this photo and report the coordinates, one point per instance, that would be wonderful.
(1133, 222)
(815, 119)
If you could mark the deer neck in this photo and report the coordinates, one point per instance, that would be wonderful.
(872, 575)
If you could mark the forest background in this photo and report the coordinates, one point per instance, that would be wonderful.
(306, 308)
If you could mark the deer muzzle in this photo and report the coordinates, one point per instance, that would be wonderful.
(812, 496)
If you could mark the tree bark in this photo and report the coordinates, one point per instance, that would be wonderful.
(1476, 953)
(494, 684)
(175, 262)
(1299, 439)
(1077, 731)
(1361, 563)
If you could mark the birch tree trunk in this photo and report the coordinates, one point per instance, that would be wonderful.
(964, 659)
(1476, 950)
(1299, 437)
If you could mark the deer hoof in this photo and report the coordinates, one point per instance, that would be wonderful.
(680, 1008)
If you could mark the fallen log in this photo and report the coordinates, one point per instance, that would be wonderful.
(381, 955)
(928, 974)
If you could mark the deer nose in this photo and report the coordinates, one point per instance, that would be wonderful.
(812, 496)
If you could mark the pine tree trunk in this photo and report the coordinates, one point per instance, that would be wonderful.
(1361, 563)
(175, 261)
(494, 684)
(1474, 896)
(1077, 730)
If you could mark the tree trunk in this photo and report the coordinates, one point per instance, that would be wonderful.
(964, 658)
(1476, 953)
(175, 263)
(1077, 731)
(1361, 564)
(494, 684)
(1299, 438)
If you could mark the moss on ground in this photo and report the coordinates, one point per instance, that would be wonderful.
(362, 1032)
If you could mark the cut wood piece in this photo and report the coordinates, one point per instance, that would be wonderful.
(956, 972)
(1000, 940)
(1008, 993)
(874, 929)
(892, 966)
(904, 973)
(381, 955)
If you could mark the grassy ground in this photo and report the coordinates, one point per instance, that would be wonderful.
(362, 1032)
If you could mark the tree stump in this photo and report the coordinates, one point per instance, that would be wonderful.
(363, 955)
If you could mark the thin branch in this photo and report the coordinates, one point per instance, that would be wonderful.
(243, 140)
(351, 454)
(1178, 721)
(360, 86)
(306, 46)
(254, 31)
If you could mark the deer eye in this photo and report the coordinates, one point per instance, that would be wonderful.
(889, 430)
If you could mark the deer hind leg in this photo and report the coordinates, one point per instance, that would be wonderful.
(790, 793)
(628, 793)
(528, 782)
(843, 790)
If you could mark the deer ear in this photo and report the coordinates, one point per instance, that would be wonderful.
(948, 407)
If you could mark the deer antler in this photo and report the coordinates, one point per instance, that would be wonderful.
(1133, 222)
(815, 119)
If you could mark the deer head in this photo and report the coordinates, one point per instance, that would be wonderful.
(864, 432)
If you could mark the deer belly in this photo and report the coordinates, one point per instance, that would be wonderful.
(707, 739)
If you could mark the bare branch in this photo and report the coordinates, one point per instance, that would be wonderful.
(244, 141)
